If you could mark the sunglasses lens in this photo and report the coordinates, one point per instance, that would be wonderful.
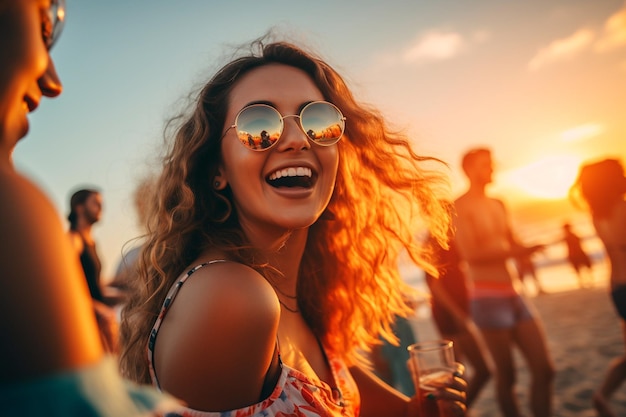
(323, 123)
(259, 126)
(57, 20)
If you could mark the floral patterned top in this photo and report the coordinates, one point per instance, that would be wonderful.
(295, 393)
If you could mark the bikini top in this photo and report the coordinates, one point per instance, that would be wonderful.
(295, 393)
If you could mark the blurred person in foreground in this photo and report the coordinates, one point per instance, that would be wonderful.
(52, 362)
(271, 265)
(506, 319)
(602, 186)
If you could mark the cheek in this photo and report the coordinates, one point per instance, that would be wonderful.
(240, 166)
(330, 161)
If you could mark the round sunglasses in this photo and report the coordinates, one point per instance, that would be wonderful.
(259, 126)
(53, 23)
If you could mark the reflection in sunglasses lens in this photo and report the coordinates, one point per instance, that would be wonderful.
(322, 122)
(259, 126)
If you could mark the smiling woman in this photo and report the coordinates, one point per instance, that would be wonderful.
(271, 265)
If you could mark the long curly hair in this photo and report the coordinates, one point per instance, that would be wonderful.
(349, 286)
(600, 186)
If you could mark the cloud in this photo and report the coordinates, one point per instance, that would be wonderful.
(611, 37)
(582, 132)
(614, 34)
(437, 45)
(562, 49)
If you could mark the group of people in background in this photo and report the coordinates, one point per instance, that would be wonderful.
(475, 289)
(267, 275)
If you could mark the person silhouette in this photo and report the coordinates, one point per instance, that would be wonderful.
(525, 267)
(450, 308)
(601, 186)
(506, 319)
(577, 257)
(85, 211)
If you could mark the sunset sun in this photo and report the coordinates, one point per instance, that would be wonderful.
(548, 178)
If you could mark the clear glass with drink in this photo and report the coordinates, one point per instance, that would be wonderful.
(434, 364)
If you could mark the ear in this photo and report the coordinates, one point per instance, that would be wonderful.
(220, 181)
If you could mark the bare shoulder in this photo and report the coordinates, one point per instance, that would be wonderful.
(216, 343)
(231, 285)
(18, 193)
(44, 285)
(29, 223)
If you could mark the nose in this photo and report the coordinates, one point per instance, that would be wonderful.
(293, 138)
(49, 82)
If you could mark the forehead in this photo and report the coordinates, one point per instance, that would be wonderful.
(279, 84)
(481, 159)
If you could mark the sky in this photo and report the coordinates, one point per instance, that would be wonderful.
(541, 83)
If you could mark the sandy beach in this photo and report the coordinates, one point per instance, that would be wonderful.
(583, 335)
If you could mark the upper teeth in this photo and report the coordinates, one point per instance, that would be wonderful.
(291, 172)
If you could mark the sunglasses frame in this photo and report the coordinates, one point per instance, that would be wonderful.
(342, 119)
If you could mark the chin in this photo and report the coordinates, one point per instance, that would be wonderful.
(298, 223)
(20, 133)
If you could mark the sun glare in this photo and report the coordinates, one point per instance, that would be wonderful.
(547, 178)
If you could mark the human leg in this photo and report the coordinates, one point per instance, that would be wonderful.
(499, 342)
(472, 347)
(530, 338)
(612, 381)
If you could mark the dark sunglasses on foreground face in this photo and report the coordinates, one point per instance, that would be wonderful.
(260, 126)
(52, 22)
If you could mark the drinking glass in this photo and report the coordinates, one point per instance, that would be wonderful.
(434, 363)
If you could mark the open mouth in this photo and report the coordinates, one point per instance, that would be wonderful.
(292, 177)
(30, 103)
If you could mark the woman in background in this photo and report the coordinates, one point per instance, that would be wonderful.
(602, 186)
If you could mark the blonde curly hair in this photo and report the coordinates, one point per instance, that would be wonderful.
(349, 288)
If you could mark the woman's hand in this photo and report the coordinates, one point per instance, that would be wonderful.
(446, 401)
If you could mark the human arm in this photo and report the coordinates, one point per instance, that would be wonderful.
(379, 399)
(446, 301)
(76, 242)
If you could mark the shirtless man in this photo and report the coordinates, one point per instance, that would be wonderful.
(486, 243)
